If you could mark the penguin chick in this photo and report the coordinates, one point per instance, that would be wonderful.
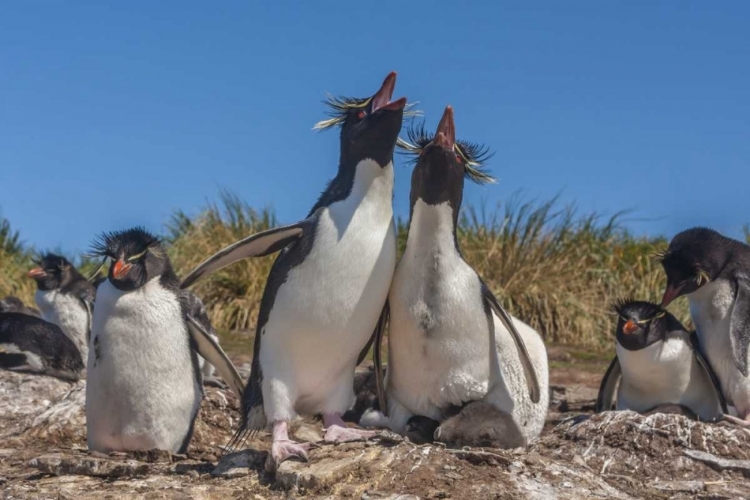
(713, 271)
(480, 424)
(658, 363)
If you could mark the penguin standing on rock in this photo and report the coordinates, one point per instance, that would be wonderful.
(144, 384)
(64, 298)
(450, 341)
(713, 271)
(326, 291)
(658, 363)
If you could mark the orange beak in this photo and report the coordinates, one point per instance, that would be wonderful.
(37, 272)
(120, 269)
(630, 327)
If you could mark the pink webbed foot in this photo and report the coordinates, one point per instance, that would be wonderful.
(284, 448)
(338, 432)
(738, 421)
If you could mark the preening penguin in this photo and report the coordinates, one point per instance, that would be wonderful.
(144, 385)
(64, 298)
(657, 363)
(450, 342)
(28, 343)
(326, 291)
(713, 271)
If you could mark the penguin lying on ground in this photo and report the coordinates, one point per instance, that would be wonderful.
(64, 298)
(714, 272)
(144, 384)
(658, 363)
(326, 291)
(28, 343)
(14, 304)
(450, 342)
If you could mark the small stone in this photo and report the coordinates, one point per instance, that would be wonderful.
(240, 463)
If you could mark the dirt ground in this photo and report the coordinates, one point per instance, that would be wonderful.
(612, 455)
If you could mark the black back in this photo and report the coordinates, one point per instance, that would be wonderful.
(46, 340)
(14, 304)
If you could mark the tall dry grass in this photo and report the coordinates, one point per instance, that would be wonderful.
(550, 265)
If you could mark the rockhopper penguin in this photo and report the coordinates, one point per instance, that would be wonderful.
(450, 341)
(713, 271)
(326, 291)
(658, 363)
(144, 385)
(64, 298)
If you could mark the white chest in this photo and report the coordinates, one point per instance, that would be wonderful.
(67, 312)
(333, 299)
(711, 309)
(142, 389)
(439, 332)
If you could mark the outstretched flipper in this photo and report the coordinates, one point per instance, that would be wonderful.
(739, 326)
(528, 367)
(607, 388)
(257, 245)
(214, 354)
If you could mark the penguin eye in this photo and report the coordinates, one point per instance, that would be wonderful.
(361, 114)
(137, 256)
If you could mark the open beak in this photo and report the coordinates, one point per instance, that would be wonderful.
(630, 327)
(446, 130)
(120, 269)
(671, 293)
(37, 272)
(382, 98)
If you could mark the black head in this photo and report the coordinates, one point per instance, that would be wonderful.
(441, 163)
(137, 257)
(640, 324)
(369, 126)
(53, 272)
(694, 258)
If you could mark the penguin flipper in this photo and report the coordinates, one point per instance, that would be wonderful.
(607, 387)
(528, 367)
(214, 354)
(739, 326)
(710, 374)
(257, 245)
(378, 359)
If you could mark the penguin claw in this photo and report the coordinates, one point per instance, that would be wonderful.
(284, 450)
(337, 434)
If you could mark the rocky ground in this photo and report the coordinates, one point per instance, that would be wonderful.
(612, 455)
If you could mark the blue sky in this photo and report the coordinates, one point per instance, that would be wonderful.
(114, 114)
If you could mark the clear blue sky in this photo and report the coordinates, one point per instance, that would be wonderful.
(114, 114)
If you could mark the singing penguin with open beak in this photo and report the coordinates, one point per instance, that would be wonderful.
(449, 339)
(65, 298)
(144, 384)
(713, 271)
(658, 363)
(326, 291)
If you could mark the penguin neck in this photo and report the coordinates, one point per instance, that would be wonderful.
(354, 185)
(432, 228)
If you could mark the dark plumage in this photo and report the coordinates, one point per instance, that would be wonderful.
(30, 343)
(55, 272)
(14, 304)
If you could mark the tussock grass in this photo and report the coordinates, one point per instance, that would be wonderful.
(551, 266)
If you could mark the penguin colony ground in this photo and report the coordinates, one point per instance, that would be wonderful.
(461, 370)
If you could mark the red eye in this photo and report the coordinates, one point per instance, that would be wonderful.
(361, 114)
(459, 159)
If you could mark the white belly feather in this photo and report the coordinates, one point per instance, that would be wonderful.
(439, 336)
(142, 392)
(67, 312)
(327, 309)
(711, 308)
